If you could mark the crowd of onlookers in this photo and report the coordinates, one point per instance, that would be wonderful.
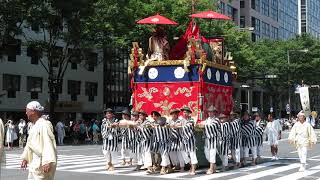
(70, 132)
(16, 132)
(78, 132)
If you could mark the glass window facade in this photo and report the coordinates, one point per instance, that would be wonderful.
(274, 10)
(117, 90)
(265, 7)
(255, 4)
(313, 17)
(274, 33)
(222, 7)
(288, 19)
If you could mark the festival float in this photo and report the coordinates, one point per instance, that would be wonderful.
(196, 73)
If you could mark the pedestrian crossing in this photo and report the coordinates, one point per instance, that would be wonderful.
(280, 170)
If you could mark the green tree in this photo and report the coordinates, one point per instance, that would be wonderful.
(271, 57)
(11, 21)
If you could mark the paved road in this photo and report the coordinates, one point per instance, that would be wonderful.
(86, 162)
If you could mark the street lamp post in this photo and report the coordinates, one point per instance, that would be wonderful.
(288, 58)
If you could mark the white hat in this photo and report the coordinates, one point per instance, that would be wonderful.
(35, 105)
(301, 113)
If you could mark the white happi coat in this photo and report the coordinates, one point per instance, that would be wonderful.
(302, 134)
(41, 149)
(272, 131)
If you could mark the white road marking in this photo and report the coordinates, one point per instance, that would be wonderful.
(299, 175)
(267, 172)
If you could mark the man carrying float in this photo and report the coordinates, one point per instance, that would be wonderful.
(235, 140)
(110, 135)
(212, 134)
(175, 153)
(187, 132)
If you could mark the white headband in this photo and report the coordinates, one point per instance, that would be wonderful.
(301, 113)
(35, 105)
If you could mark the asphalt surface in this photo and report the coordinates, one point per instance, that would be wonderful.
(83, 162)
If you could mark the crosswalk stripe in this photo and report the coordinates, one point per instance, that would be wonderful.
(174, 175)
(267, 172)
(79, 160)
(96, 165)
(222, 174)
(89, 169)
(140, 173)
(116, 172)
(299, 175)
(80, 165)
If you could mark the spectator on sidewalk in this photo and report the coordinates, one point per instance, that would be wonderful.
(95, 132)
(11, 135)
(82, 132)
(60, 129)
(76, 132)
(22, 132)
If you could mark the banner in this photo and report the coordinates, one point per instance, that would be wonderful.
(305, 101)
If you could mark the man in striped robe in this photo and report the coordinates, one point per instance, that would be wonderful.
(146, 135)
(135, 138)
(175, 145)
(155, 148)
(259, 135)
(138, 144)
(248, 139)
(225, 140)
(187, 132)
(212, 134)
(235, 140)
(110, 134)
(127, 137)
(162, 137)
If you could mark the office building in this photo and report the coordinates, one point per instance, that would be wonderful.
(309, 17)
(23, 79)
(288, 19)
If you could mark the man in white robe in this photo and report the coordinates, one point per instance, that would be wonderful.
(40, 151)
(302, 136)
(273, 132)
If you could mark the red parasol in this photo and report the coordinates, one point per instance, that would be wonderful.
(210, 15)
(157, 19)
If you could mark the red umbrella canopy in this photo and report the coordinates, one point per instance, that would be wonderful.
(210, 15)
(157, 19)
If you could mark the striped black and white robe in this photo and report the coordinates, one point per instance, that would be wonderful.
(146, 135)
(109, 135)
(225, 138)
(162, 138)
(235, 140)
(259, 135)
(175, 138)
(187, 132)
(136, 143)
(248, 134)
(127, 137)
(212, 133)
